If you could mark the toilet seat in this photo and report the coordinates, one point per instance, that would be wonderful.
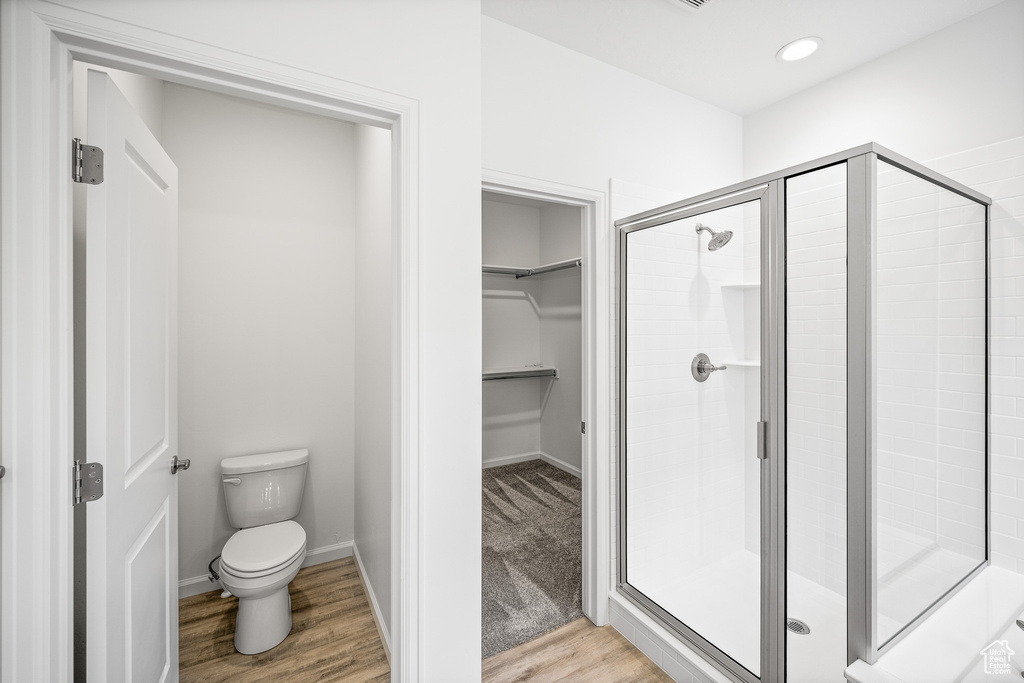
(263, 550)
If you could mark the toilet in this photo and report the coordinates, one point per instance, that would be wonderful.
(263, 494)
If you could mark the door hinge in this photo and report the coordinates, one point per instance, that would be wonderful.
(86, 482)
(86, 163)
(583, 427)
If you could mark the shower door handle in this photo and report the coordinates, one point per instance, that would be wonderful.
(762, 440)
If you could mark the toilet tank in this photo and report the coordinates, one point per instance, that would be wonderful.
(264, 488)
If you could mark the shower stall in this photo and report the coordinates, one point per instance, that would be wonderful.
(803, 412)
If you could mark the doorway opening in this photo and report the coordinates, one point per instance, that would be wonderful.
(532, 418)
(587, 276)
(286, 308)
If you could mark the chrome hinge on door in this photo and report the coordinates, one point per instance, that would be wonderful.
(583, 427)
(86, 482)
(86, 163)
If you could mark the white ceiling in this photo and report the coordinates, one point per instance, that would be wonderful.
(724, 53)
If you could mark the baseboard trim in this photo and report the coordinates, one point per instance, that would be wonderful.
(509, 459)
(538, 455)
(328, 553)
(197, 585)
(562, 465)
(385, 638)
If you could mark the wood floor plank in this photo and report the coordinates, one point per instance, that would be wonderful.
(578, 651)
(333, 635)
(334, 639)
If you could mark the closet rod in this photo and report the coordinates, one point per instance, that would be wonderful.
(507, 270)
(527, 272)
(560, 265)
(491, 375)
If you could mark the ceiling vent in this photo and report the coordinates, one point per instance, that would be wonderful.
(691, 5)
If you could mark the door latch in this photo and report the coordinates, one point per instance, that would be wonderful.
(177, 464)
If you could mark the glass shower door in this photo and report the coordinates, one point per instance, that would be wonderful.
(690, 454)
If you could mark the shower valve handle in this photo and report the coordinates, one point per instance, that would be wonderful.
(702, 367)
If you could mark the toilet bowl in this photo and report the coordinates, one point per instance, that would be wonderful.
(257, 565)
(262, 494)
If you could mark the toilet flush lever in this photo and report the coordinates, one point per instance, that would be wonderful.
(234, 481)
(177, 464)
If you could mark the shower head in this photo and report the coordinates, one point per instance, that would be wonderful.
(718, 239)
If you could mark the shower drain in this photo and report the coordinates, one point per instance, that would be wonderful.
(798, 627)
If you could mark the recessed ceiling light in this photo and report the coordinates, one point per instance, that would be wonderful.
(798, 49)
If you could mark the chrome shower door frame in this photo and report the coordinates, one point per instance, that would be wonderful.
(772, 414)
(862, 637)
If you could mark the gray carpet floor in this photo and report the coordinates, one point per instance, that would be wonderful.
(532, 552)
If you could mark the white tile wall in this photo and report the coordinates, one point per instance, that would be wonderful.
(816, 376)
(687, 452)
(929, 382)
(998, 171)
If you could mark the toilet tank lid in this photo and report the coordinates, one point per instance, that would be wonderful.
(260, 462)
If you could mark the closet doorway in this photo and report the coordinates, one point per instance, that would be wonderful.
(533, 436)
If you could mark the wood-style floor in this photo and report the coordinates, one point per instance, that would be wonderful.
(578, 651)
(334, 639)
(333, 636)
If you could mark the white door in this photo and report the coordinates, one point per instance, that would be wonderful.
(131, 397)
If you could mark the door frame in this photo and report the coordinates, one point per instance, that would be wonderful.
(597, 291)
(38, 43)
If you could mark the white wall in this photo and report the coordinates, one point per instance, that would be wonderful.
(957, 89)
(511, 330)
(429, 53)
(146, 95)
(531, 321)
(552, 113)
(953, 101)
(555, 114)
(266, 307)
(561, 335)
(373, 371)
